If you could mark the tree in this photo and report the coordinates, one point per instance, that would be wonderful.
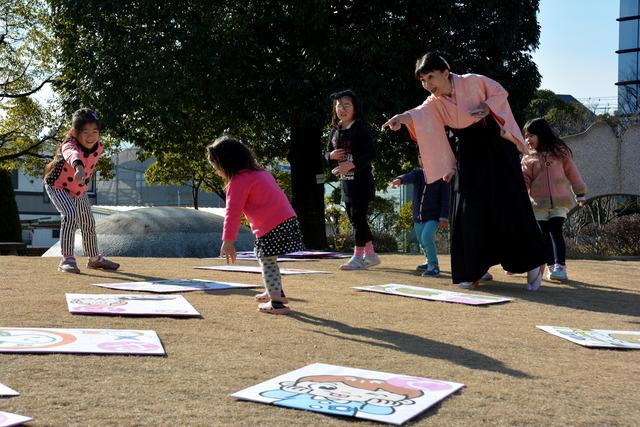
(171, 169)
(27, 130)
(25, 67)
(163, 73)
(566, 118)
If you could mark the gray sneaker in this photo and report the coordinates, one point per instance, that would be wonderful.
(103, 263)
(354, 264)
(559, 273)
(69, 265)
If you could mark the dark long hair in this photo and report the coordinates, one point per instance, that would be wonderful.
(79, 120)
(357, 106)
(548, 140)
(431, 61)
(231, 156)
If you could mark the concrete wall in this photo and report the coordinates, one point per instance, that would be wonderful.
(608, 164)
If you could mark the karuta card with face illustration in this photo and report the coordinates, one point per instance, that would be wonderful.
(434, 294)
(596, 337)
(338, 390)
(97, 341)
(130, 305)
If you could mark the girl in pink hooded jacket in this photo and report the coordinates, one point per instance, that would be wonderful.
(554, 186)
(66, 181)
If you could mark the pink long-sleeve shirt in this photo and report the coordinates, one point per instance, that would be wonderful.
(72, 154)
(430, 118)
(258, 196)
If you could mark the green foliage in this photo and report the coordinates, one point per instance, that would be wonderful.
(283, 178)
(28, 131)
(170, 76)
(25, 47)
(564, 118)
(158, 71)
(405, 218)
(382, 214)
(382, 219)
(175, 169)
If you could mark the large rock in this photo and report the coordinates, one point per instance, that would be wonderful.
(160, 232)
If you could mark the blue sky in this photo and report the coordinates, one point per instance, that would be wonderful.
(578, 40)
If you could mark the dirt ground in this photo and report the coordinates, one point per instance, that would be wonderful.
(514, 373)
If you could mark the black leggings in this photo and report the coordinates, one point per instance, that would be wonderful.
(552, 234)
(357, 211)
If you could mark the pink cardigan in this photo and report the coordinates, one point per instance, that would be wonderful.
(73, 153)
(550, 181)
(258, 196)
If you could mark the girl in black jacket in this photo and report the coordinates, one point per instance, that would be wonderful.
(351, 146)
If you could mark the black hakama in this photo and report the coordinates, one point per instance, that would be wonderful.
(493, 221)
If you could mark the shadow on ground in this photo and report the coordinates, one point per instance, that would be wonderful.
(409, 343)
(574, 294)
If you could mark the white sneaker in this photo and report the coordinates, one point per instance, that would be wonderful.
(486, 277)
(534, 279)
(550, 270)
(467, 285)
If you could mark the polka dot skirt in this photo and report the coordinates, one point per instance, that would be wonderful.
(282, 239)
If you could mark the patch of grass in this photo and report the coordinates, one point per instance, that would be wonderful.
(514, 374)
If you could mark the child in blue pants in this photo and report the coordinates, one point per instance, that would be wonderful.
(430, 212)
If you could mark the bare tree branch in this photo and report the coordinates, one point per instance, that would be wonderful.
(26, 151)
(31, 92)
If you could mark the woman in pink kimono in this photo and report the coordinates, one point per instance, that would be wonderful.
(493, 222)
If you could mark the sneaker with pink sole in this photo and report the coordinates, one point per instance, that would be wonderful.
(273, 307)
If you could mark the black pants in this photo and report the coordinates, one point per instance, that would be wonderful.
(552, 235)
(493, 221)
(357, 211)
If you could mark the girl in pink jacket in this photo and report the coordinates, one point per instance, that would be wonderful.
(66, 180)
(253, 191)
(554, 186)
